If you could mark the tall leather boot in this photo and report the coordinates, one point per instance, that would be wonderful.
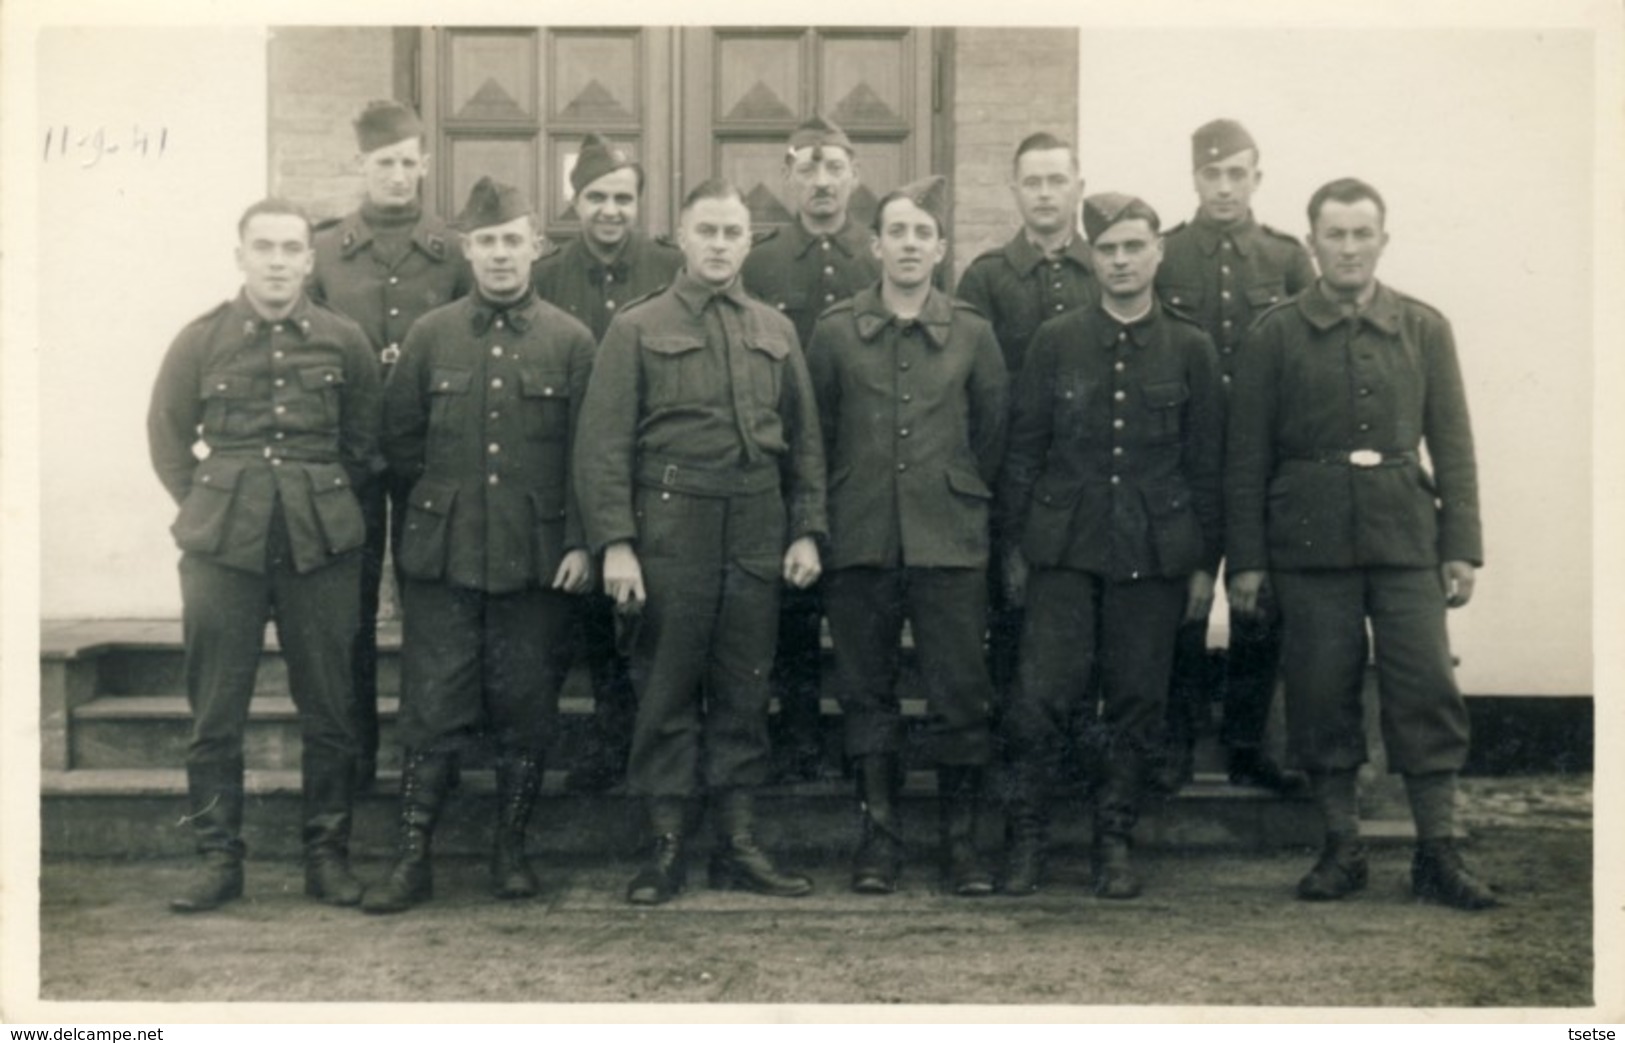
(519, 782)
(1438, 874)
(215, 792)
(425, 780)
(1116, 813)
(959, 791)
(879, 857)
(663, 876)
(739, 862)
(329, 782)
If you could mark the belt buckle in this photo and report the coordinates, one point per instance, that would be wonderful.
(1365, 458)
(669, 475)
(390, 355)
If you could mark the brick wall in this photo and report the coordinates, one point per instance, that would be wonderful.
(1008, 83)
(320, 78)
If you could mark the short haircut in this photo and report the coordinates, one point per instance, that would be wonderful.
(1043, 141)
(891, 197)
(273, 205)
(1345, 190)
(711, 188)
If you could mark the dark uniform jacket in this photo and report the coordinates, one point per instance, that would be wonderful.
(801, 274)
(1224, 277)
(289, 413)
(1019, 290)
(479, 414)
(574, 279)
(913, 416)
(386, 296)
(1117, 447)
(671, 404)
(1328, 414)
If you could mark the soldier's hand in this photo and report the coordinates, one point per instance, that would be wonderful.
(575, 573)
(1015, 578)
(623, 577)
(801, 565)
(1457, 577)
(1199, 601)
(1243, 591)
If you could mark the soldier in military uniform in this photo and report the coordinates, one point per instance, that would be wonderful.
(701, 480)
(1326, 495)
(912, 403)
(1222, 269)
(284, 396)
(821, 257)
(1042, 272)
(479, 419)
(609, 264)
(383, 265)
(1112, 501)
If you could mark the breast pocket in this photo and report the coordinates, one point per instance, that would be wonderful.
(1186, 298)
(671, 368)
(766, 361)
(319, 403)
(1265, 295)
(547, 404)
(448, 396)
(1164, 403)
(227, 403)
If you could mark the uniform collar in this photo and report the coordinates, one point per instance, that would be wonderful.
(696, 294)
(845, 239)
(1209, 234)
(252, 322)
(1322, 312)
(519, 313)
(936, 315)
(427, 235)
(1024, 256)
(625, 259)
(1140, 331)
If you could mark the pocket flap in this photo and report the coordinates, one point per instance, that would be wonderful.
(1054, 494)
(1183, 296)
(969, 484)
(1267, 294)
(1165, 394)
(450, 381)
(433, 496)
(773, 347)
(673, 344)
(327, 478)
(545, 383)
(226, 385)
(220, 472)
(315, 378)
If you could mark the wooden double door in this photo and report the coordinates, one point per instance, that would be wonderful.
(689, 103)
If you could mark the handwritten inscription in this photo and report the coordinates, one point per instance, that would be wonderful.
(89, 146)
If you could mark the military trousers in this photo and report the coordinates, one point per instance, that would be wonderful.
(383, 510)
(1080, 624)
(478, 667)
(1324, 654)
(946, 609)
(1252, 661)
(704, 645)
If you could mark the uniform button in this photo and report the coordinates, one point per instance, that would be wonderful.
(609, 304)
(329, 377)
(1227, 350)
(829, 269)
(1066, 394)
(279, 382)
(1116, 480)
(1122, 334)
(903, 364)
(1133, 575)
(496, 351)
(276, 354)
(428, 505)
(1060, 307)
(1056, 286)
(902, 467)
(1224, 269)
(1117, 450)
(1119, 367)
(665, 496)
(1226, 324)
(781, 305)
(824, 245)
(394, 279)
(397, 311)
(277, 328)
(281, 409)
(499, 318)
(1118, 424)
(279, 436)
(493, 480)
(220, 387)
(495, 415)
(1120, 395)
(1225, 294)
(902, 432)
(444, 384)
(206, 479)
(1365, 427)
(1225, 378)
(493, 448)
(609, 278)
(276, 461)
(1364, 392)
(338, 481)
(1225, 245)
(829, 298)
(907, 397)
(547, 390)
(496, 382)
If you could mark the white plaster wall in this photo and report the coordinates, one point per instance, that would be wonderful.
(1481, 142)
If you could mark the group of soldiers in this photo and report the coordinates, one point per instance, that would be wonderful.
(674, 462)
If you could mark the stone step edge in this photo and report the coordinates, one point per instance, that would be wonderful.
(269, 706)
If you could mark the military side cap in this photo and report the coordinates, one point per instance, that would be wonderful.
(384, 123)
(491, 203)
(598, 156)
(1104, 209)
(1216, 140)
(928, 193)
(817, 132)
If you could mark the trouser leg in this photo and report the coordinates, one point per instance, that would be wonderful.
(796, 680)
(374, 500)
(865, 622)
(603, 762)
(1323, 655)
(1424, 718)
(947, 612)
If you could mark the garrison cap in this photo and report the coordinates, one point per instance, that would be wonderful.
(928, 193)
(491, 203)
(383, 123)
(1104, 209)
(599, 156)
(816, 132)
(1218, 139)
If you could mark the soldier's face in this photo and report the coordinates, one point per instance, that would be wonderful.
(1047, 189)
(909, 246)
(608, 207)
(501, 256)
(1126, 256)
(1347, 240)
(392, 173)
(1225, 187)
(714, 235)
(274, 256)
(821, 181)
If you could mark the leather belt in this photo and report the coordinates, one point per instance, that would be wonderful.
(681, 477)
(1363, 459)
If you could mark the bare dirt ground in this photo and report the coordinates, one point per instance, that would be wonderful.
(1211, 929)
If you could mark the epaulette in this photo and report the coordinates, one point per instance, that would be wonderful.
(1272, 309)
(635, 301)
(758, 238)
(212, 313)
(844, 304)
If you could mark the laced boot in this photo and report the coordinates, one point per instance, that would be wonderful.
(1113, 869)
(1340, 871)
(425, 779)
(216, 796)
(1438, 874)
(663, 876)
(519, 782)
(1027, 835)
(879, 857)
(329, 784)
(958, 795)
(739, 862)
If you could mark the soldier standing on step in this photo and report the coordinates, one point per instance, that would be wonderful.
(1326, 495)
(384, 265)
(1112, 500)
(284, 396)
(820, 257)
(608, 265)
(911, 399)
(479, 420)
(701, 477)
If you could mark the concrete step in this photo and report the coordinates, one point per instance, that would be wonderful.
(139, 814)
